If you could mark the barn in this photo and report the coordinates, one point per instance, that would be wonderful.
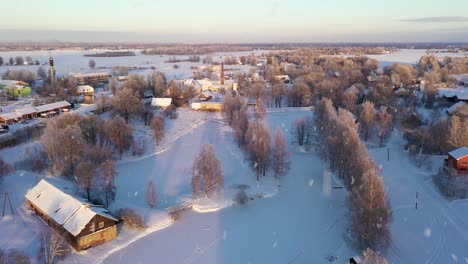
(82, 224)
(458, 160)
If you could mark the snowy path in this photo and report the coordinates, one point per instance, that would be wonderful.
(437, 231)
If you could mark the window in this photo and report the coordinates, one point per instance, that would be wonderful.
(101, 225)
(92, 227)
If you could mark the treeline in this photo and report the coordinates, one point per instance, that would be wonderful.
(439, 136)
(193, 49)
(369, 208)
(20, 75)
(18, 60)
(111, 54)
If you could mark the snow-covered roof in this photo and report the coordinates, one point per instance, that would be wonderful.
(78, 75)
(10, 116)
(351, 89)
(85, 89)
(461, 94)
(66, 210)
(459, 153)
(26, 110)
(454, 108)
(53, 106)
(161, 102)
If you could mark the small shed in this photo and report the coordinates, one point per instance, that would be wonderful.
(458, 160)
(161, 102)
(79, 222)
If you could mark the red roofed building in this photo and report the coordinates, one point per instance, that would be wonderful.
(458, 160)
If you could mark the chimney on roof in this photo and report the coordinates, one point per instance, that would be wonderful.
(222, 73)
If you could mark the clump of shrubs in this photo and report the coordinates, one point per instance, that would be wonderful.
(241, 197)
(131, 219)
(176, 214)
(171, 112)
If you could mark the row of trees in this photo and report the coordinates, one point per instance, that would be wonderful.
(81, 148)
(253, 136)
(370, 212)
(18, 60)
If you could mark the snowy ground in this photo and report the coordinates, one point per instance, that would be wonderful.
(73, 61)
(302, 222)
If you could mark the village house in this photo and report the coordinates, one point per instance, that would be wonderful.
(80, 223)
(92, 78)
(28, 112)
(15, 88)
(161, 102)
(458, 160)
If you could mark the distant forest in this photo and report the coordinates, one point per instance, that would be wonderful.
(111, 54)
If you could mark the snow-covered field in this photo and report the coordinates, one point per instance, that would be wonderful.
(302, 222)
(73, 61)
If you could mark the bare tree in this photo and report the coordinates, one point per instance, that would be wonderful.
(370, 257)
(302, 130)
(113, 84)
(1, 61)
(71, 145)
(280, 155)
(42, 73)
(137, 84)
(260, 111)
(385, 124)
(109, 173)
(91, 64)
(86, 177)
(52, 246)
(458, 132)
(367, 118)
(240, 124)
(258, 147)
(126, 103)
(207, 174)
(157, 124)
(151, 194)
(119, 133)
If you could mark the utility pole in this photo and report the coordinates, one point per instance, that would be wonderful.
(7, 196)
(417, 200)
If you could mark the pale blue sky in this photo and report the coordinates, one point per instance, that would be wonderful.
(235, 20)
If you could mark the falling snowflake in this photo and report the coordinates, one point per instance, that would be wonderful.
(427, 232)
(311, 182)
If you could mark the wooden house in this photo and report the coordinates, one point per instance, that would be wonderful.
(82, 224)
(458, 160)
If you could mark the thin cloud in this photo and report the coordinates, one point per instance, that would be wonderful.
(440, 19)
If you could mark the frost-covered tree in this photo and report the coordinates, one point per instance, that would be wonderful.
(119, 133)
(109, 173)
(260, 111)
(126, 102)
(302, 130)
(207, 174)
(370, 213)
(258, 147)
(70, 147)
(151, 199)
(157, 125)
(91, 64)
(240, 124)
(86, 177)
(52, 246)
(113, 84)
(370, 257)
(458, 131)
(280, 155)
(385, 121)
(367, 118)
